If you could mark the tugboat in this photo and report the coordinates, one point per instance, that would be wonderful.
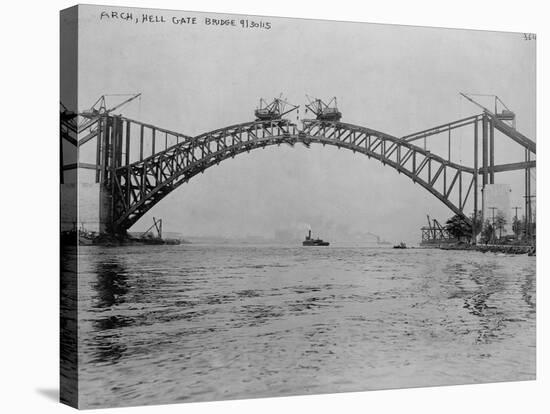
(400, 246)
(309, 241)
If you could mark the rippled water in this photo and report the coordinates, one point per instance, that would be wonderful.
(196, 322)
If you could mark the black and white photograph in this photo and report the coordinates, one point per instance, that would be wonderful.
(258, 206)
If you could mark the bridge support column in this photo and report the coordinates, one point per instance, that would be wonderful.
(110, 146)
(528, 212)
(491, 151)
(476, 174)
(104, 157)
(485, 149)
(105, 209)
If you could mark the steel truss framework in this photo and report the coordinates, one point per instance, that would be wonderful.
(136, 186)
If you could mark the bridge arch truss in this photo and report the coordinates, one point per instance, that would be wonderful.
(138, 186)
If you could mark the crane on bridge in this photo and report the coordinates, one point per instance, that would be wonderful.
(276, 109)
(505, 115)
(324, 111)
(99, 108)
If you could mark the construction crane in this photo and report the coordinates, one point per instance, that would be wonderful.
(324, 111)
(499, 121)
(505, 115)
(157, 224)
(276, 109)
(434, 233)
(99, 108)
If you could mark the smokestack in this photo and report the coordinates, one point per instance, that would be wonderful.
(309, 232)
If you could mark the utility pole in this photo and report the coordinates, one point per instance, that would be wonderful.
(493, 224)
(516, 229)
(528, 216)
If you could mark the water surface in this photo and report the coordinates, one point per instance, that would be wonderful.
(193, 322)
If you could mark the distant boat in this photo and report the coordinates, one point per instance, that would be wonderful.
(309, 241)
(400, 246)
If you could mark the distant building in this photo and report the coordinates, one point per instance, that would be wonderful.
(496, 200)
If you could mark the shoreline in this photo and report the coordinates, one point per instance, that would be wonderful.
(94, 239)
(492, 248)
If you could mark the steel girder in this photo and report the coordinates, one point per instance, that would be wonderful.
(449, 182)
(137, 187)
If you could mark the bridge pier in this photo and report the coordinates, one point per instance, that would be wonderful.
(106, 210)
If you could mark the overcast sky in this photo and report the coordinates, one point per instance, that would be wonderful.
(396, 79)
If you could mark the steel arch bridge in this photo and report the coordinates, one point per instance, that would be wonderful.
(141, 185)
(131, 188)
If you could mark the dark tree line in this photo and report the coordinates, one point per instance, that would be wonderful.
(460, 229)
(490, 231)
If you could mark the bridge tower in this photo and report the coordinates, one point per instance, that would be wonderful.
(92, 147)
(504, 121)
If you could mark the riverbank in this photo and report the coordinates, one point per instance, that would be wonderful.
(96, 239)
(492, 248)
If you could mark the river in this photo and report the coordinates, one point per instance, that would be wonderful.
(194, 322)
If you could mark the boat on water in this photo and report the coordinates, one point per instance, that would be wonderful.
(310, 241)
(400, 246)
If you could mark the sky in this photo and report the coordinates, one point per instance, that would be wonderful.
(396, 79)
